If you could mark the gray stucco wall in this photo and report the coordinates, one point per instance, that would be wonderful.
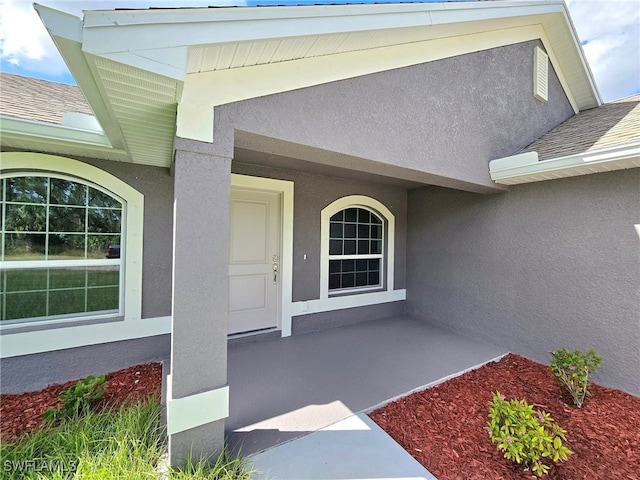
(157, 187)
(546, 265)
(446, 118)
(33, 372)
(312, 193)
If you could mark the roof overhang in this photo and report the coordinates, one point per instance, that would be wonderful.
(148, 72)
(525, 167)
(61, 139)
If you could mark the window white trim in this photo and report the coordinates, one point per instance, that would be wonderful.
(17, 344)
(388, 240)
(19, 163)
(308, 307)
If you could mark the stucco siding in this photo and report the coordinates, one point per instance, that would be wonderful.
(447, 118)
(312, 193)
(546, 265)
(157, 187)
(33, 372)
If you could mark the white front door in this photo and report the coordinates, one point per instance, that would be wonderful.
(254, 260)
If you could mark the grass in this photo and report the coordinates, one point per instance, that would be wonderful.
(127, 443)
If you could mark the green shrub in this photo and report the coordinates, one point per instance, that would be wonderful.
(572, 368)
(77, 399)
(527, 437)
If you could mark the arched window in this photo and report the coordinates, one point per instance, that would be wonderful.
(355, 249)
(62, 243)
(357, 246)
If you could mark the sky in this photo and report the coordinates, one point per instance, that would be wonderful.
(609, 31)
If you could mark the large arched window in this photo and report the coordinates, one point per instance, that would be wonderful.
(357, 247)
(63, 242)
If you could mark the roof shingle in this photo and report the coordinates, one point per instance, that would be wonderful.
(609, 125)
(39, 100)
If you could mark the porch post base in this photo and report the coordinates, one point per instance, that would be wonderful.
(202, 442)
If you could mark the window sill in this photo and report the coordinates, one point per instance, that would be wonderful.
(355, 291)
(55, 324)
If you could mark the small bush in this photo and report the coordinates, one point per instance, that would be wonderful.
(525, 436)
(572, 369)
(77, 399)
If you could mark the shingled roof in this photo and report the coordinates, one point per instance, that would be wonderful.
(612, 124)
(39, 100)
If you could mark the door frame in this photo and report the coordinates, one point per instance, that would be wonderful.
(285, 189)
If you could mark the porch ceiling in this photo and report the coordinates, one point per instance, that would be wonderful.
(252, 157)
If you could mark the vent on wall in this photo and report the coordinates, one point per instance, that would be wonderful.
(540, 74)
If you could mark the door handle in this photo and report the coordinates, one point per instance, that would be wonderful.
(275, 273)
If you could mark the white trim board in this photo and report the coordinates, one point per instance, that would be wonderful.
(195, 410)
(525, 167)
(48, 340)
(285, 188)
(347, 301)
(56, 134)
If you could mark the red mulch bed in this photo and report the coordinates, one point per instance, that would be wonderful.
(22, 413)
(443, 427)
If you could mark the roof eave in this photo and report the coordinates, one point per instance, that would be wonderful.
(66, 32)
(18, 127)
(156, 42)
(525, 167)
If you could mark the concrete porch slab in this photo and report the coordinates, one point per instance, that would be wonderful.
(354, 448)
(286, 388)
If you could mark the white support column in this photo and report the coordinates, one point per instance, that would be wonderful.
(198, 395)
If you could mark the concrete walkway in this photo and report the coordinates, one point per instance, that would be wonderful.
(286, 388)
(354, 448)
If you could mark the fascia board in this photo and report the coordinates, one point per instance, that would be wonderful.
(28, 130)
(583, 59)
(98, 18)
(172, 28)
(66, 32)
(524, 168)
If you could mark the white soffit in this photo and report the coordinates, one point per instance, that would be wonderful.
(525, 167)
(145, 105)
(136, 108)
